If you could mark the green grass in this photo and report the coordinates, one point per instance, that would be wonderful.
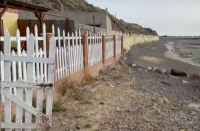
(58, 107)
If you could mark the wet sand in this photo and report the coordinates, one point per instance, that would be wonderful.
(168, 53)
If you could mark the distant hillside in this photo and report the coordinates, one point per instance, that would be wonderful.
(82, 5)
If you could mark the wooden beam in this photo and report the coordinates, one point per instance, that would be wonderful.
(20, 8)
(51, 14)
(3, 11)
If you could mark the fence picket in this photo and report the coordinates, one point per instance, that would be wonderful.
(76, 52)
(36, 52)
(19, 91)
(41, 65)
(30, 77)
(79, 34)
(14, 76)
(69, 54)
(39, 105)
(50, 80)
(73, 54)
(58, 66)
(59, 54)
(65, 54)
(2, 75)
(7, 77)
(44, 51)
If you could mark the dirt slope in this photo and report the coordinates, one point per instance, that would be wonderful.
(82, 5)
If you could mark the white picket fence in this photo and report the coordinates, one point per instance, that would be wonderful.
(118, 45)
(69, 54)
(94, 49)
(19, 71)
(15, 74)
(19, 68)
(109, 47)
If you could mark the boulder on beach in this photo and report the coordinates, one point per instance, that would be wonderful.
(178, 73)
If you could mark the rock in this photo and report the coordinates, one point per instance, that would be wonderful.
(160, 100)
(78, 126)
(63, 123)
(133, 65)
(124, 58)
(194, 106)
(128, 111)
(178, 73)
(102, 103)
(111, 85)
(154, 68)
(184, 82)
(149, 68)
(140, 69)
(161, 71)
(167, 73)
(93, 90)
(165, 101)
(194, 76)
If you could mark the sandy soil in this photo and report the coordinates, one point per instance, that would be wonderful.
(122, 98)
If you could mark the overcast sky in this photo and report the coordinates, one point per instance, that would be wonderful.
(167, 17)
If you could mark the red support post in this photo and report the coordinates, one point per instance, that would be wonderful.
(85, 53)
(115, 53)
(104, 49)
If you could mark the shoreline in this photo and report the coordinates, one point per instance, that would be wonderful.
(173, 55)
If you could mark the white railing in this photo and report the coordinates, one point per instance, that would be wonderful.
(94, 49)
(69, 54)
(118, 45)
(109, 47)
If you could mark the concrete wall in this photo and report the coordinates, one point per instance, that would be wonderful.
(134, 39)
(85, 28)
(101, 18)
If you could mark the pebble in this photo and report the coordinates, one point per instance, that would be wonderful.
(63, 123)
(78, 126)
(155, 68)
(184, 82)
(102, 103)
(160, 101)
(149, 68)
(162, 71)
(165, 100)
(140, 69)
(133, 65)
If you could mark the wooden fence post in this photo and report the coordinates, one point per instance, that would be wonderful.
(115, 52)
(122, 45)
(85, 53)
(104, 49)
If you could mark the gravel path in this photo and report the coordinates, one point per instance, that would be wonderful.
(131, 99)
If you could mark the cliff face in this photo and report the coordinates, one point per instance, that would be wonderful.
(82, 5)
